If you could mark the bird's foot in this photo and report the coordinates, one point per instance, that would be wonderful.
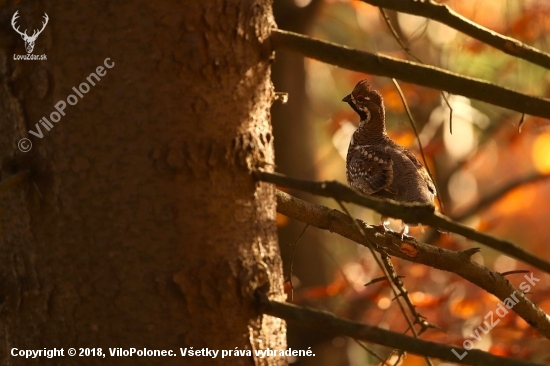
(382, 226)
(404, 231)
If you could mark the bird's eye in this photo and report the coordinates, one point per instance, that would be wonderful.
(360, 98)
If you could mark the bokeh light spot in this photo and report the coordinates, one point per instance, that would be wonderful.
(384, 303)
(541, 153)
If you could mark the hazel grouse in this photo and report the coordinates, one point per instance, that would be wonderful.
(376, 165)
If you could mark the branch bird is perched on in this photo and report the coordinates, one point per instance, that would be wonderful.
(376, 165)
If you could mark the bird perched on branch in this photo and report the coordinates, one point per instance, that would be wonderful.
(376, 165)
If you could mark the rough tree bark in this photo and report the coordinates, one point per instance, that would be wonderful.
(140, 224)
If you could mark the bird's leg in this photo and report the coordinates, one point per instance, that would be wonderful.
(404, 230)
(382, 225)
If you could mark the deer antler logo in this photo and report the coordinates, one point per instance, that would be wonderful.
(29, 40)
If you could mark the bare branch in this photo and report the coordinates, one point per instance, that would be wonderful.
(410, 213)
(411, 72)
(414, 251)
(443, 14)
(333, 325)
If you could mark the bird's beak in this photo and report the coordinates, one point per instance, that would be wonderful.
(347, 98)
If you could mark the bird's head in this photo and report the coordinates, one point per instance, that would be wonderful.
(366, 101)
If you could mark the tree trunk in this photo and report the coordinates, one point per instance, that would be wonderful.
(139, 224)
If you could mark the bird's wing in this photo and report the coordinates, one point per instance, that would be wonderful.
(421, 171)
(370, 169)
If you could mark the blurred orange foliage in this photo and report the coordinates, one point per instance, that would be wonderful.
(465, 308)
(541, 153)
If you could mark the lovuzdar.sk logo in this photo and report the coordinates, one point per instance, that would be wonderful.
(29, 40)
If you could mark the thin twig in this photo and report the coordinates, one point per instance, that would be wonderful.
(408, 51)
(518, 271)
(292, 261)
(418, 318)
(396, 35)
(379, 279)
(521, 121)
(371, 352)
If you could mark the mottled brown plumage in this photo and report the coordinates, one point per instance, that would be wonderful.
(375, 164)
